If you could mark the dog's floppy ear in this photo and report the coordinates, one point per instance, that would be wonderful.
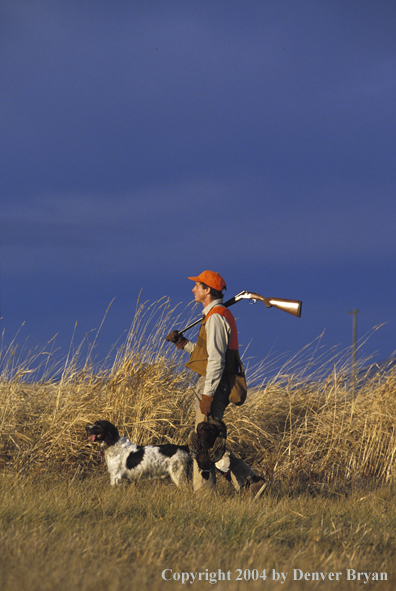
(105, 431)
(111, 434)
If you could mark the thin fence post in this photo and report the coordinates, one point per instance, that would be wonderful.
(354, 341)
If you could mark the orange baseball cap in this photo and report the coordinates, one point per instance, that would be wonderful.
(212, 279)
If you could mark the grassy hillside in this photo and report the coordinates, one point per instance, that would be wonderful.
(81, 534)
(328, 451)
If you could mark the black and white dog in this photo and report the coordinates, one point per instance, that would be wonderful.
(127, 460)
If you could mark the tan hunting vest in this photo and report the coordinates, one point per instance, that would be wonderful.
(199, 357)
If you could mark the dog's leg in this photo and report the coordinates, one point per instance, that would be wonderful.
(115, 477)
(178, 473)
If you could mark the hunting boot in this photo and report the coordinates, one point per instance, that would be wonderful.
(254, 488)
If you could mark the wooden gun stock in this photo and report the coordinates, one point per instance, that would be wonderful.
(289, 306)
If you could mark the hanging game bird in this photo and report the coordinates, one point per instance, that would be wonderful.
(207, 444)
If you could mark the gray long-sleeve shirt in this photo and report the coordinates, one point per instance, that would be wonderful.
(218, 335)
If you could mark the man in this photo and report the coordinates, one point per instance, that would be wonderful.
(211, 356)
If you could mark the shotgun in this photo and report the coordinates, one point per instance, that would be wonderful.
(289, 306)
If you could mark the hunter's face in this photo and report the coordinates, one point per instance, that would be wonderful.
(200, 293)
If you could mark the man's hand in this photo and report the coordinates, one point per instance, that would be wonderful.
(177, 339)
(205, 404)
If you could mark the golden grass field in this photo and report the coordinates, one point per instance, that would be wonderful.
(327, 450)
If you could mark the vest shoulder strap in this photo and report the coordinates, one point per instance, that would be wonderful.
(223, 311)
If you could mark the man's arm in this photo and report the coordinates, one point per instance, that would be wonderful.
(189, 347)
(218, 334)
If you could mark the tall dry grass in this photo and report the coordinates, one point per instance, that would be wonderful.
(305, 424)
(145, 391)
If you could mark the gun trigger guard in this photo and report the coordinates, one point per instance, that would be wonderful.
(252, 301)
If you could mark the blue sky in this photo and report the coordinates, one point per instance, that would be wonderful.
(143, 142)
